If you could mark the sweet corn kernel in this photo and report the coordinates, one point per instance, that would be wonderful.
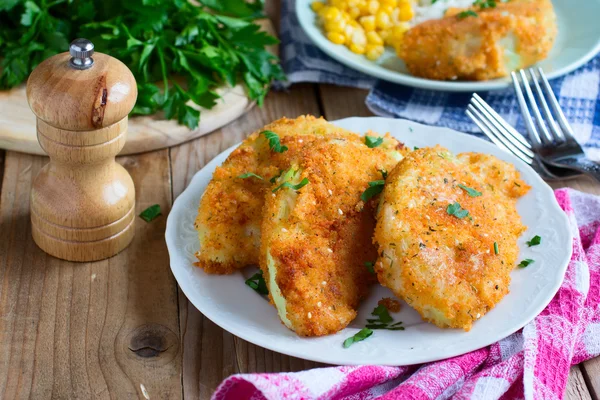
(336, 37)
(340, 4)
(354, 12)
(374, 38)
(357, 49)
(384, 35)
(386, 8)
(368, 22)
(392, 3)
(358, 37)
(373, 52)
(382, 20)
(372, 6)
(331, 14)
(399, 30)
(406, 12)
(335, 26)
(316, 6)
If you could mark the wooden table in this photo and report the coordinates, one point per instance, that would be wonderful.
(121, 328)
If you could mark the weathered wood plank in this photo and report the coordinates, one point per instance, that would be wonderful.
(77, 330)
(209, 353)
(576, 387)
(342, 102)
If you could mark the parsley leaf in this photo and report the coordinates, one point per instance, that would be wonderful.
(457, 211)
(465, 14)
(375, 187)
(274, 142)
(359, 336)
(383, 320)
(249, 175)
(302, 183)
(274, 179)
(525, 262)
(370, 266)
(372, 141)
(382, 312)
(483, 4)
(192, 49)
(151, 213)
(534, 241)
(257, 282)
(470, 192)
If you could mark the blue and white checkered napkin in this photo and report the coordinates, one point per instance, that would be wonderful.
(578, 92)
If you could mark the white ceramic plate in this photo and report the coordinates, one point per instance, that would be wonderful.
(232, 305)
(577, 42)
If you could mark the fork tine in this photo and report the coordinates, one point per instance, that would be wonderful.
(564, 124)
(533, 133)
(492, 131)
(489, 110)
(502, 126)
(549, 118)
(534, 107)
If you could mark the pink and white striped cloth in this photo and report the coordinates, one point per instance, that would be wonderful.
(532, 363)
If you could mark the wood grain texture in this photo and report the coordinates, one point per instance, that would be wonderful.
(72, 330)
(576, 387)
(210, 354)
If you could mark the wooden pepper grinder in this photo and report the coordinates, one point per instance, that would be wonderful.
(82, 202)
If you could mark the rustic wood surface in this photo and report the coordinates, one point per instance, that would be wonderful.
(121, 328)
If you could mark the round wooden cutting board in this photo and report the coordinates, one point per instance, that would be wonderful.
(145, 133)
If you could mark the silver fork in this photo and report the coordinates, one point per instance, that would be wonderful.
(505, 136)
(556, 145)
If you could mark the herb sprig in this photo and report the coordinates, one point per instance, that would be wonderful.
(384, 320)
(257, 282)
(457, 211)
(151, 213)
(373, 141)
(375, 187)
(190, 49)
(358, 337)
(536, 240)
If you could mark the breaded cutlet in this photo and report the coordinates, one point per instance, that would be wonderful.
(487, 45)
(317, 232)
(447, 231)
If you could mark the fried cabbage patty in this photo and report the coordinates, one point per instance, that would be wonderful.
(317, 238)
(231, 209)
(491, 44)
(441, 261)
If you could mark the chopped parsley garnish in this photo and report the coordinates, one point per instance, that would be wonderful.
(372, 141)
(526, 262)
(358, 337)
(534, 241)
(384, 320)
(274, 142)
(250, 175)
(496, 251)
(151, 213)
(470, 192)
(273, 179)
(384, 173)
(483, 4)
(370, 265)
(375, 187)
(465, 14)
(457, 211)
(302, 183)
(257, 282)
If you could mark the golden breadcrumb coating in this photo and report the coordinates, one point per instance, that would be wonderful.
(498, 40)
(230, 211)
(316, 240)
(442, 265)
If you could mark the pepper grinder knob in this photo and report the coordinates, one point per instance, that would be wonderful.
(82, 202)
(81, 51)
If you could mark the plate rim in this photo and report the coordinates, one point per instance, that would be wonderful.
(273, 346)
(422, 83)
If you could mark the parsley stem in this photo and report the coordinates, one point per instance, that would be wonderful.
(163, 67)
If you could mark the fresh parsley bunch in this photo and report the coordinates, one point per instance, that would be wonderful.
(191, 49)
